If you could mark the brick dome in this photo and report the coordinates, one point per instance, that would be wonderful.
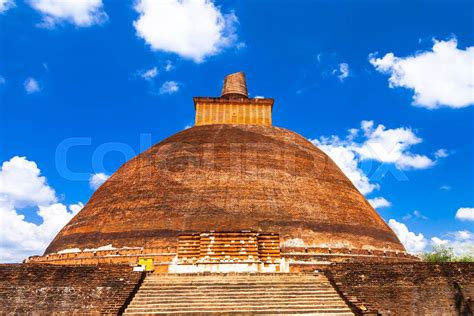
(226, 177)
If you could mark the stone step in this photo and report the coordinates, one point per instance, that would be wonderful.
(295, 298)
(187, 305)
(239, 309)
(254, 275)
(247, 280)
(252, 283)
(227, 309)
(235, 286)
(184, 303)
(262, 312)
(321, 293)
(320, 296)
(270, 293)
(229, 292)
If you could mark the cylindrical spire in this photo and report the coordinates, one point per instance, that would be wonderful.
(235, 86)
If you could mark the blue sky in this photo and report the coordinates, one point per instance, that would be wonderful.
(113, 77)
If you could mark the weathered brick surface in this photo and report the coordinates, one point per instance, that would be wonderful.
(228, 178)
(407, 288)
(65, 290)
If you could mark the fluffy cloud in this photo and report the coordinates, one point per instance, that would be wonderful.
(149, 74)
(379, 202)
(416, 214)
(412, 242)
(168, 65)
(445, 187)
(81, 13)
(193, 29)
(465, 214)
(392, 146)
(169, 87)
(342, 72)
(462, 242)
(435, 241)
(389, 146)
(31, 86)
(21, 181)
(6, 4)
(96, 180)
(441, 153)
(21, 185)
(443, 76)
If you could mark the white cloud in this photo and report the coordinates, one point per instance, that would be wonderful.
(169, 87)
(411, 241)
(31, 86)
(21, 185)
(391, 146)
(240, 45)
(445, 187)
(465, 214)
(416, 214)
(441, 153)
(343, 71)
(435, 241)
(96, 180)
(75, 208)
(379, 202)
(419, 215)
(21, 181)
(81, 13)
(463, 235)
(6, 4)
(443, 76)
(149, 74)
(169, 65)
(193, 29)
(462, 242)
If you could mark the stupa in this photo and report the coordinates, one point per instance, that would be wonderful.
(231, 216)
(232, 193)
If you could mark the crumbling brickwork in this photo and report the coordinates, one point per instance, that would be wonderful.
(52, 290)
(406, 288)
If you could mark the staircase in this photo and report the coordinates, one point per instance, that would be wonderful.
(250, 293)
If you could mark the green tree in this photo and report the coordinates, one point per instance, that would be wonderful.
(444, 253)
(439, 253)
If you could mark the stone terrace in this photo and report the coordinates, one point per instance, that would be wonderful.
(52, 290)
(406, 288)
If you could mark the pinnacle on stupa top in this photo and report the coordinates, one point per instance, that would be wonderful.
(234, 105)
(235, 86)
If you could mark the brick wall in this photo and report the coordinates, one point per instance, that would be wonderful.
(406, 288)
(38, 289)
